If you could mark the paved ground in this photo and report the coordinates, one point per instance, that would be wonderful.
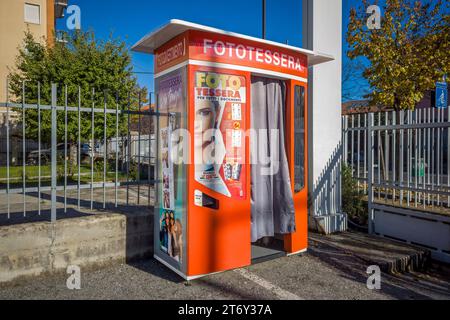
(322, 273)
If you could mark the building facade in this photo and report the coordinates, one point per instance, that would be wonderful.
(322, 32)
(364, 106)
(18, 16)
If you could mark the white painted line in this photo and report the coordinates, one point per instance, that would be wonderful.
(279, 292)
(297, 252)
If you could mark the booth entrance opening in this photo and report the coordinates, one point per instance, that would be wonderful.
(272, 206)
(231, 148)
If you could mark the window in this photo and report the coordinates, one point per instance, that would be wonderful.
(299, 138)
(32, 13)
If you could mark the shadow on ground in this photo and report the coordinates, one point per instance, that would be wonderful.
(422, 286)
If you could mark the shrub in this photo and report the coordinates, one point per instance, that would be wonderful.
(353, 198)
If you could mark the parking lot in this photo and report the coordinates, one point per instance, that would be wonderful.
(321, 273)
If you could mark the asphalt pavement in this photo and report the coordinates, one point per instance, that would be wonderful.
(321, 273)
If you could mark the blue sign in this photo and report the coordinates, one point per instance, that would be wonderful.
(441, 95)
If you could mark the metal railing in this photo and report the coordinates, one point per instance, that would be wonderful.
(108, 156)
(401, 158)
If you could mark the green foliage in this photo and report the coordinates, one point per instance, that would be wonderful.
(407, 55)
(99, 163)
(25, 176)
(83, 64)
(133, 171)
(60, 168)
(352, 198)
(98, 166)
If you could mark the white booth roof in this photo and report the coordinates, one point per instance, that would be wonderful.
(157, 38)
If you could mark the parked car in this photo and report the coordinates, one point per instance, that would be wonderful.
(46, 155)
(86, 150)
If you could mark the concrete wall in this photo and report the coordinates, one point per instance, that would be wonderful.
(322, 31)
(91, 241)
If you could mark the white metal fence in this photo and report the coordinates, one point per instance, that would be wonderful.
(328, 215)
(401, 160)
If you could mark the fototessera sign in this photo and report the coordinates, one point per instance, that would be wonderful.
(204, 46)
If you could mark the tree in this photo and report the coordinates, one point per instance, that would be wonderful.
(407, 54)
(83, 64)
(354, 86)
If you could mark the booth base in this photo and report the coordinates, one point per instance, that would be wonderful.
(273, 251)
(261, 254)
(264, 252)
(178, 272)
(181, 274)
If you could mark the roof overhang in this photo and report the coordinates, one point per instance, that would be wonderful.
(157, 38)
(60, 6)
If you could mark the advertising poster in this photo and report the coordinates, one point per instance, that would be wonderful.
(170, 91)
(219, 132)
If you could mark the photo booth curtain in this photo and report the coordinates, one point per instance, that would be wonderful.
(272, 202)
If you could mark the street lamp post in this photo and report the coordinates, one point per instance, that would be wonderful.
(263, 19)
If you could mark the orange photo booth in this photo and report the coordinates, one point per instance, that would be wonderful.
(231, 148)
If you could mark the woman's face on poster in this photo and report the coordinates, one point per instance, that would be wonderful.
(205, 117)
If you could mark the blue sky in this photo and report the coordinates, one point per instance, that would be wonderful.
(131, 20)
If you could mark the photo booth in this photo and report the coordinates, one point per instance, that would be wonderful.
(231, 147)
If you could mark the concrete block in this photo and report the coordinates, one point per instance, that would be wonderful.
(37, 248)
(328, 224)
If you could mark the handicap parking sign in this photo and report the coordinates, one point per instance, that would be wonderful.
(441, 95)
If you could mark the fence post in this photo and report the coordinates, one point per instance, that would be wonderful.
(344, 137)
(8, 204)
(24, 179)
(401, 155)
(54, 162)
(370, 173)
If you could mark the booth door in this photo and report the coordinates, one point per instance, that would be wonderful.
(298, 159)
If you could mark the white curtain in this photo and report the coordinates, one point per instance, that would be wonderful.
(271, 195)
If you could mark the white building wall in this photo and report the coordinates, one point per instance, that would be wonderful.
(322, 31)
